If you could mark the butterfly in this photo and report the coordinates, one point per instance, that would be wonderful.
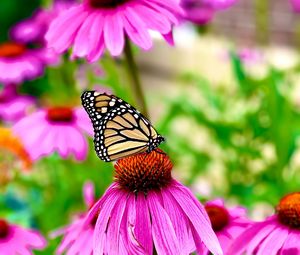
(120, 129)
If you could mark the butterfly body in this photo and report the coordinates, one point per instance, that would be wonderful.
(120, 130)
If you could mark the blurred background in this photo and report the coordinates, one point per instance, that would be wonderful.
(226, 97)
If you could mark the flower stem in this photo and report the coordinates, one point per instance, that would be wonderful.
(135, 79)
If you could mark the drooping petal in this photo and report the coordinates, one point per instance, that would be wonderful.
(163, 232)
(62, 30)
(273, 242)
(110, 192)
(197, 218)
(253, 235)
(136, 29)
(180, 223)
(103, 220)
(259, 237)
(142, 229)
(291, 245)
(152, 20)
(130, 242)
(113, 231)
(82, 41)
(113, 33)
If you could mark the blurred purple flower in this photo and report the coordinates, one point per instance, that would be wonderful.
(59, 129)
(78, 239)
(228, 224)
(19, 63)
(146, 207)
(278, 234)
(295, 4)
(14, 106)
(95, 25)
(17, 240)
(202, 12)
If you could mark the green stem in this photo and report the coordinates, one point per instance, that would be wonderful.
(262, 20)
(135, 79)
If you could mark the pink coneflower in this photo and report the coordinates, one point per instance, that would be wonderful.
(278, 234)
(202, 12)
(14, 106)
(34, 28)
(17, 240)
(295, 4)
(145, 209)
(95, 25)
(56, 129)
(19, 62)
(228, 224)
(77, 238)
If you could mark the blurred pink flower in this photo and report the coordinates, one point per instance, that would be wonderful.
(278, 234)
(95, 25)
(202, 12)
(17, 240)
(78, 239)
(57, 129)
(295, 4)
(228, 224)
(146, 207)
(34, 28)
(250, 56)
(19, 63)
(14, 106)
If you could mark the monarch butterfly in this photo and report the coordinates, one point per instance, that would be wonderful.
(120, 129)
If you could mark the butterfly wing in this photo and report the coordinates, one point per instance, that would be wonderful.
(120, 130)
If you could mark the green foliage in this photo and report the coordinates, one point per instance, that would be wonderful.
(244, 126)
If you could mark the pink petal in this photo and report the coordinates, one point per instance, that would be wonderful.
(171, 5)
(130, 243)
(169, 38)
(142, 228)
(250, 238)
(111, 191)
(152, 19)
(83, 121)
(79, 144)
(180, 223)
(103, 220)
(81, 243)
(113, 231)
(113, 33)
(89, 193)
(136, 29)
(63, 29)
(274, 241)
(82, 40)
(291, 245)
(164, 236)
(197, 218)
(96, 39)
(264, 230)
(163, 10)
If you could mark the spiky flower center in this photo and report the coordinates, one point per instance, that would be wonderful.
(4, 229)
(106, 3)
(60, 114)
(288, 210)
(144, 172)
(218, 216)
(11, 49)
